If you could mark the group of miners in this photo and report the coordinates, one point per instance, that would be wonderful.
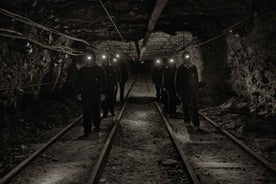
(177, 84)
(98, 87)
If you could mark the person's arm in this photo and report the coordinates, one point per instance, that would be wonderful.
(177, 79)
(103, 81)
(114, 76)
(79, 84)
(196, 77)
(153, 76)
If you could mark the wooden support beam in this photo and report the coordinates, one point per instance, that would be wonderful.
(159, 7)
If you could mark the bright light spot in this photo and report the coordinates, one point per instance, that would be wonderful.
(114, 59)
(158, 61)
(117, 55)
(171, 60)
(231, 31)
(237, 35)
(104, 56)
(89, 57)
(187, 56)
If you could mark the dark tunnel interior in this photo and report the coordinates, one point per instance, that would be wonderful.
(46, 44)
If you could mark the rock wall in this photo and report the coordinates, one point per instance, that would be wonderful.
(252, 62)
(216, 73)
(23, 64)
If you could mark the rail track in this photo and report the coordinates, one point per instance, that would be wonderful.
(189, 153)
(22, 165)
(192, 170)
(99, 169)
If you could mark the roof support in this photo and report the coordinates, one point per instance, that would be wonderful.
(159, 7)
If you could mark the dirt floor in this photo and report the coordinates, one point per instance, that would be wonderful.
(143, 144)
(22, 128)
(142, 151)
(71, 159)
(256, 130)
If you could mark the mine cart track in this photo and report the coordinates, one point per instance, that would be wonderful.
(102, 160)
(15, 171)
(185, 159)
(179, 149)
(98, 168)
(240, 144)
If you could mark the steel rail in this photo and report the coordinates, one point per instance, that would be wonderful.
(191, 173)
(15, 171)
(95, 175)
(248, 150)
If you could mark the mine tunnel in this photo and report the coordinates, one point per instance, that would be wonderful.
(137, 91)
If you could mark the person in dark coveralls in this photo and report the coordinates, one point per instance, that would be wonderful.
(111, 85)
(187, 88)
(92, 84)
(122, 76)
(169, 85)
(164, 93)
(157, 78)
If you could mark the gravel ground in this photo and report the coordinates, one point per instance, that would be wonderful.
(142, 151)
(70, 160)
(215, 158)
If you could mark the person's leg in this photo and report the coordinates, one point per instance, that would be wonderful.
(170, 101)
(174, 101)
(110, 100)
(115, 95)
(157, 92)
(105, 108)
(185, 106)
(96, 113)
(87, 113)
(194, 112)
(122, 91)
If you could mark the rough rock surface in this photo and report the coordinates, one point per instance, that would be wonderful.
(252, 63)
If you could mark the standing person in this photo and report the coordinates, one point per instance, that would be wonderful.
(157, 78)
(187, 88)
(164, 93)
(169, 85)
(111, 85)
(122, 75)
(91, 81)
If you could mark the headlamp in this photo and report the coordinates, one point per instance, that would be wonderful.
(114, 59)
(89, 57)
(171, 60)
(158, 61)
(117, 55)
(187, 56)
(104, 56)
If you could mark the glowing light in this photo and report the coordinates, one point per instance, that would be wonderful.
(158, 61)
(187, 56)
(117, 55)
(89, 57)
(171, 60)
(104, 56)
(114, 59)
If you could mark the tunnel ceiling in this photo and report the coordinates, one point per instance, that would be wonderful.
(87, 19)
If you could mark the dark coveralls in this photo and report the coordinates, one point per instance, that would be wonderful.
(92, 85)
(187, 87)
(169, 85)
(164, 94)
(157, 80)
(122, 76)
(111, 85)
